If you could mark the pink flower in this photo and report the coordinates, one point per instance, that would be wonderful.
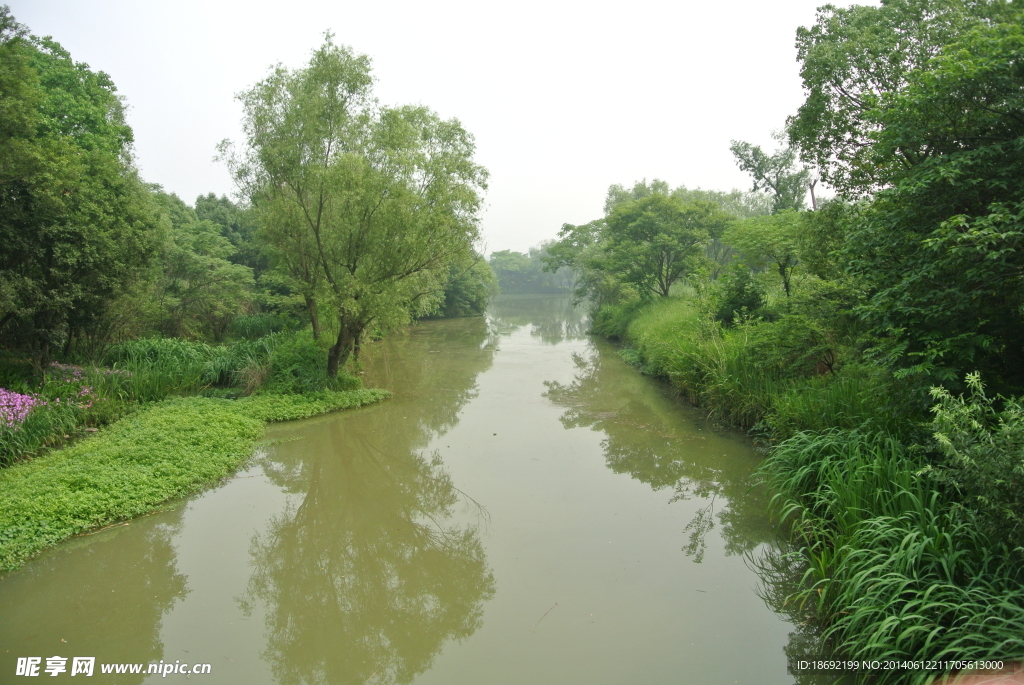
(15, 407)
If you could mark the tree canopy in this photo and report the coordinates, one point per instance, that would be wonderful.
(75, 221)
(363, 206)
(854, 57)
(776, 174)
(655, 241)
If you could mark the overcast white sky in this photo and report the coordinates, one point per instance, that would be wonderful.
(564, 98)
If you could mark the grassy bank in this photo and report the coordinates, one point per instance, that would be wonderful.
(163, 451)
(763, 375)
(64, 401)
(907, 521)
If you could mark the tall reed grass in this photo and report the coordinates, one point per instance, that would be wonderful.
(153, 369)
(892, 572)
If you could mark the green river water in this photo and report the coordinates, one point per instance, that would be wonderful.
(526, 509)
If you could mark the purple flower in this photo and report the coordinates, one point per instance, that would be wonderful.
(15, 407)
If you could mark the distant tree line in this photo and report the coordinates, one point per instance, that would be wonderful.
(519, 272)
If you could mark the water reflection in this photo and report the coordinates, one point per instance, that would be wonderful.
(374, 569)
(68, 602)
(552, 319)
(433, 372)
(647, 437)
(780, 570)
(366, 582)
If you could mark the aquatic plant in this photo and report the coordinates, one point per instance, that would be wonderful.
(168, 450)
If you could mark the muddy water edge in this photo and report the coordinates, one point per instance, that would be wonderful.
(527, 508)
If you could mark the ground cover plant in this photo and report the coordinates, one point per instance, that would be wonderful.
(167, 450)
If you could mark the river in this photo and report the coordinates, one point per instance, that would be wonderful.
(526, 509)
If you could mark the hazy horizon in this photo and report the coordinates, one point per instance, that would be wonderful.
(564, 99)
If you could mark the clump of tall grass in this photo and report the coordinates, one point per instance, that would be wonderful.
(28, 422)
(253, 326)
(156, 368)
(51, 413)
(859, 396)
(892, 571)
(711, 365)
(281, 363)
(233, 365)
(152, 369)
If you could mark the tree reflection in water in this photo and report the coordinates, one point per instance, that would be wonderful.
(101, 595)
(646, 437)
(375, 569)
(551, 318)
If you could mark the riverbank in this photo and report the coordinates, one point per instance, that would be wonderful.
(897, 561)
(163, 451)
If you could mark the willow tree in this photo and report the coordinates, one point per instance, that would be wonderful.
(364, 206)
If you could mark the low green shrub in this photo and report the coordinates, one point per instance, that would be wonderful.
(983, 450)
(739, 295)
(298, 364)
(612, 320)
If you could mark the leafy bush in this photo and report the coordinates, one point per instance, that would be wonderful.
(739, 294)
(612, 320)
(795, 346)
(298, 364)
(984, 457)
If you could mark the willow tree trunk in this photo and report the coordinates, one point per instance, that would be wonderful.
(349, 333)
(314, 316)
